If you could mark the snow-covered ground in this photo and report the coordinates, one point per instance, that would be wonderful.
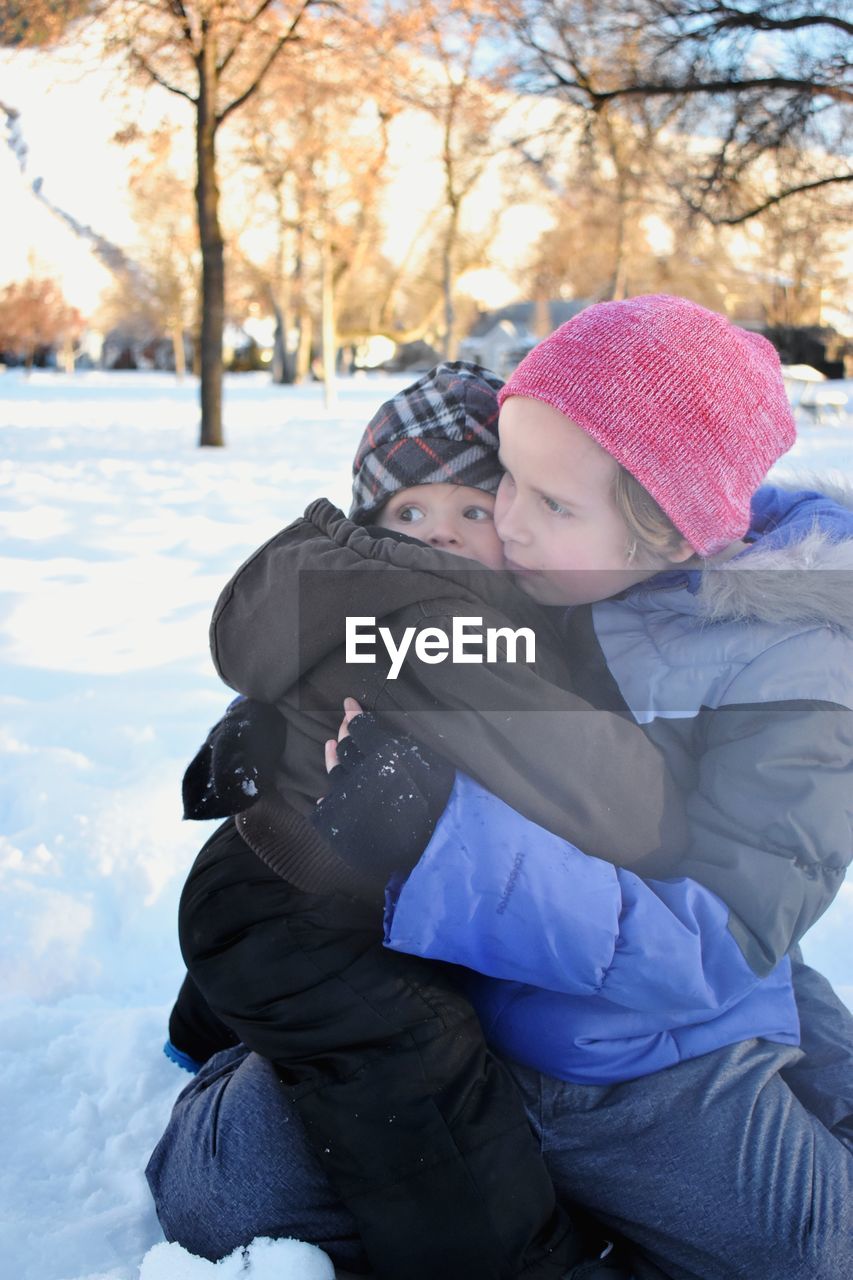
(118, 534)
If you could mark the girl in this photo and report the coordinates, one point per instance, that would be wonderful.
(616, 931)
(651, 1023)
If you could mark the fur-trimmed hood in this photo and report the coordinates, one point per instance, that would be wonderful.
(809, 582)
(798, 571)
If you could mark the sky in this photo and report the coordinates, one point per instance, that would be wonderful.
(68, 110)
(116, 536)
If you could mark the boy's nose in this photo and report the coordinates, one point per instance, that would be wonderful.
(444, 535)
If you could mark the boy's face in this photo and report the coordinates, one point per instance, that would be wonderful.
(454, 517)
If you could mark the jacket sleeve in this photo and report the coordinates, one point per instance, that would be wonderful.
(768, 844)
(771, 812)
(588, 774)
(506, 898)
(591, 775)
(194, 1028)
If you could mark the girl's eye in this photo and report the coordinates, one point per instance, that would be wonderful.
(556, 508)
(476, 513)
(410, 515)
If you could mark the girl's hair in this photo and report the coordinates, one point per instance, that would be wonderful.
(649, 527)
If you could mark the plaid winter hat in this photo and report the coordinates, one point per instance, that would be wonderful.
(441, 429)
(692, 405)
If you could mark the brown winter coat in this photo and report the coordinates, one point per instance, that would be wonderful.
(590, 775)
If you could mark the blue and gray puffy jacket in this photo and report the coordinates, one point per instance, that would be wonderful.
(743, 675)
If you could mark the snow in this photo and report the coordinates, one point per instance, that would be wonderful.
(117, 535)
(263, 1260)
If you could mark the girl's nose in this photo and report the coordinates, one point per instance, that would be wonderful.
(508, 524)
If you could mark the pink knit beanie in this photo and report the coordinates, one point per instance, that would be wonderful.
(693, 406)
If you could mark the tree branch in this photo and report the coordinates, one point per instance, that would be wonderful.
(736, 219)
(180, 13)
(289, 35)
(689, 88)
(246, 25)
(137, 57)
(756, 21)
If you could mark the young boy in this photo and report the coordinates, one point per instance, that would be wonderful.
(427, 468)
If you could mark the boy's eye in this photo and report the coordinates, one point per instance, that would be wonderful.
(477, 513)
(409, 515)
(555, 507)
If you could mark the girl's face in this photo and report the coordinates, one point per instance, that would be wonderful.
(563, 534)
(455, 517)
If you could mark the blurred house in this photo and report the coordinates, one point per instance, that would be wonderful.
(501, 338)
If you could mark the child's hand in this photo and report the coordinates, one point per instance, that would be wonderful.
(386, 795)
(351, 710)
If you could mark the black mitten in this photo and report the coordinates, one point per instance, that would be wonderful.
(236, 763)
(387, 793)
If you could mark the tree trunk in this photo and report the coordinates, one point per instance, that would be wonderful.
(448, 274)
(302, 360)
(178, 350)
(619, 280)
(282, 365)
(541, 313)
(210, 237)
(302, 313)
(619, 285)
(329, 340)
(449, 342)
(280, 297)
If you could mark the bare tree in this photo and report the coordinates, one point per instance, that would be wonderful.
(214, 54)
(459, 80)
(753, 80)
(163, 293)
(318, 142)
(799, 259)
